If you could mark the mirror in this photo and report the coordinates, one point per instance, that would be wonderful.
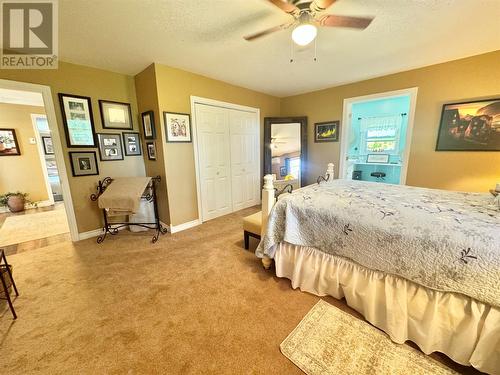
(285, 150)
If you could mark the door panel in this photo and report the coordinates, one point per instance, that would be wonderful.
(244, 159)
(214, 161)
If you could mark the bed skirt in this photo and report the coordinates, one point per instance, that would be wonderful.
(464, 329)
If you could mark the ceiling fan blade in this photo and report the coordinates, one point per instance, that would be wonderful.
(266, 32)
(320, 5)
(285, 6)
(344, 21)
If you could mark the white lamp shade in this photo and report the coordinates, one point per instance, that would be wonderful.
(304, 34)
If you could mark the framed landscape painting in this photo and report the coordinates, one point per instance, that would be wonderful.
(8, 143)
(326, 131)
(470, 126)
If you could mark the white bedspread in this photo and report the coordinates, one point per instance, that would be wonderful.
(446, 241)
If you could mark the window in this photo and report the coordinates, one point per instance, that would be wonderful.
(294, 168)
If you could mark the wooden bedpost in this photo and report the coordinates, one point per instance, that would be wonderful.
(330, 171)
(267, 205)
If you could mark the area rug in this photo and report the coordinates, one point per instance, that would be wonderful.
(28, 227)
(330, 341)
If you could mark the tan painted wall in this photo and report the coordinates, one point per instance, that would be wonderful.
(471, 78)
(175, 88)
(147, 100)
(98, 84)
(24, 172)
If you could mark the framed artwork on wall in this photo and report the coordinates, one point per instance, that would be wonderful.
(78, 120)
(148, 124)
(326, 131)
(110, 146)
(470, 126)
(132, 144)
(151, 148)
(115, 115)
(48, 148)
(8, 143)
(83, 163)
(177, 126)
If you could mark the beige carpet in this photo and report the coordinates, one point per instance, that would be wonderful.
(195, 302)
(27, 227)
(330, 341)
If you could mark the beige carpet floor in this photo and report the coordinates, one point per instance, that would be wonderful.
(330, 341)
(27, 227)
(193, 303)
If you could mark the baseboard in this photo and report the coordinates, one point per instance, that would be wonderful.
(93, 233)
(29, 206)
(184, 226)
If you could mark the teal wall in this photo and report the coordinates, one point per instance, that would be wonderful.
(377, 108)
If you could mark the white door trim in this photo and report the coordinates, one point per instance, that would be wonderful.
(56, 141)
(346, 121)
(41, 153)
(216, 103)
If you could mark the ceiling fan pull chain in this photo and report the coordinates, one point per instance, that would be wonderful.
(315, 49)
(291, 51)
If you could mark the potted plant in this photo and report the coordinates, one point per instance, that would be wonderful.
(14, 201)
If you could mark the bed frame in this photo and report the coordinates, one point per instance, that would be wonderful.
(268, 200)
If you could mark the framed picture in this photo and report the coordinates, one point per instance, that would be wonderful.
(115, 115)
(282, 171)
(48, 148)
(151, 148)
(470, 126)
(8, 143)
(177, 127)
(326, 131)
(148, 124)
(110, 146)
(132, 144)
(83, 163)
(78, 120)
(377, 158)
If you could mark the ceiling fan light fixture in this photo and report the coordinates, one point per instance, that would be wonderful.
(304, 34)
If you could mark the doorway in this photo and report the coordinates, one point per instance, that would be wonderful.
(32, 162)
(377, 136)
(226, 141)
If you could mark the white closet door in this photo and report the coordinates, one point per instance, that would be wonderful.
(245, 177)
(214, 160)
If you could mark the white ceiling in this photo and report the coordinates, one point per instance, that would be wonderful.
(286, 138)
(206, 37)
(21, 97)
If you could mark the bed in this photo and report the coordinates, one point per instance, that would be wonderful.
(420, 264)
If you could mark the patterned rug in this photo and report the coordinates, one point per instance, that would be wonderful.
(27, 227)
(330, 341)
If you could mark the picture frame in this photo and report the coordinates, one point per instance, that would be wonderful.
(9, 145)
(148, 124)
(472, 125)
(83, 163)
(116, 115)
(327, 131)
(377, 158)
(177, 127)
(78, 120)
(110, 146)
(283, 171)
(132, 144)
(48, 147)
(151, 149)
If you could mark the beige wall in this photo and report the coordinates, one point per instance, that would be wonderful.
(24, 172)
(98, 84)
(471, 78)
(175, 88)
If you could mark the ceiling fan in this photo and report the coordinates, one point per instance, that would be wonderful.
(306, 17)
